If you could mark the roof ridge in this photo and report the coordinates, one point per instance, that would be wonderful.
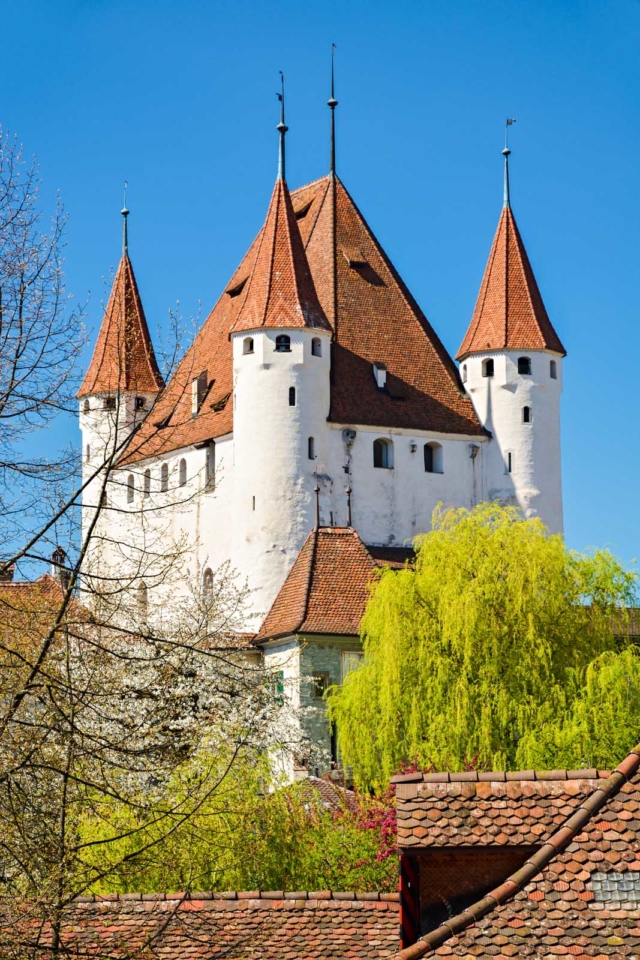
(408, 297)
(573, 825)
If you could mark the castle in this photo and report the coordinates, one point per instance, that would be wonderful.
(316, 421)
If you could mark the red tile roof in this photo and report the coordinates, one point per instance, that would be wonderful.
(123, 358)
(280, 290)
(327, 588)
(373, 316)
(577, 895)
(237, 926)
(509, 312)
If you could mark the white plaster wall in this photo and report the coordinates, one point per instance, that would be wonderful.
(273, 504)
(535, 481)
(391, 506)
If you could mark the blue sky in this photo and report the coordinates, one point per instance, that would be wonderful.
(178, 98)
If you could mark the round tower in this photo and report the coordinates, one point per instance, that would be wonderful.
(281, 363)
(511, 366)
(120, 385)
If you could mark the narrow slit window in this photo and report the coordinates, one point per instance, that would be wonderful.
(524, 366)
(142, 598)
(207, 583)
(553, 370)
(509, 462)
(311, 448)
(488, 367)
(526, 414)
(164, 478)
(316, 347)
(147, 484)
(86, 406)
(88, 453)
(247, 345)
(292, 396)
(464, 373)
(182, 473)
(131, 488)
(210, 467)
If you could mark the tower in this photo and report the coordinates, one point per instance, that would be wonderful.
(121, 383)
(281, 364)
(511, 366)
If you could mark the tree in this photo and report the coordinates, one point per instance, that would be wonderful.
(492, 651)
(105, 702)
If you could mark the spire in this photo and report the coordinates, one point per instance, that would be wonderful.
(282, 130)
(332, 103)
(123, 358)
(509, 313)
(506, 153)
(280, 291)
(125, 214)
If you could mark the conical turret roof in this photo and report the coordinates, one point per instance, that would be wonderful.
(509, 312)
(123, 358)
(280, 290)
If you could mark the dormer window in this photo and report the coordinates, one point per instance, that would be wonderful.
(247, 345)
(380, 375)
(283, 343)
(198, 392)
(488, 367)
(316, 347)
(524, 366)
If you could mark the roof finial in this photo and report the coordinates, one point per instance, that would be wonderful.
(332, 103)
(282, 129)
(506, 154)
(125, 214)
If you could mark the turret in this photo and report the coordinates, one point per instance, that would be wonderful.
(123, 379)
(281, 365)
(511, 366)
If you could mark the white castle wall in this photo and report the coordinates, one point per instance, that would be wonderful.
(535, 481)
(273, 504)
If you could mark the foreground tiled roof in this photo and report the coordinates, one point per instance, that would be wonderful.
(236, 926)
(509, 312)
(123, 358)
(280, 290)
(327, 588)
(373, 316)
(578, 895)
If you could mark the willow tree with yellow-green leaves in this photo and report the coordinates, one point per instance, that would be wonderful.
(499, 649)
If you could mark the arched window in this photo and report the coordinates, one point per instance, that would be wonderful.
(86, 406)
(464, 373)
(87, 454)
(488, 367)
(207, 583)
(283, 343)
(292, 396)
(131, 488)
(311, 448)
(247, 345)
(182, 473)
(524, 366)
(164, 478)
(382, 453)
(433, 461)
(316, 347)
(553, 370)
(146, 489)
(210, 467)
(526, 414)
(142, 598)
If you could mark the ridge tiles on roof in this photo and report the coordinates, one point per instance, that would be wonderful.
(509, 312)
(123, 358)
